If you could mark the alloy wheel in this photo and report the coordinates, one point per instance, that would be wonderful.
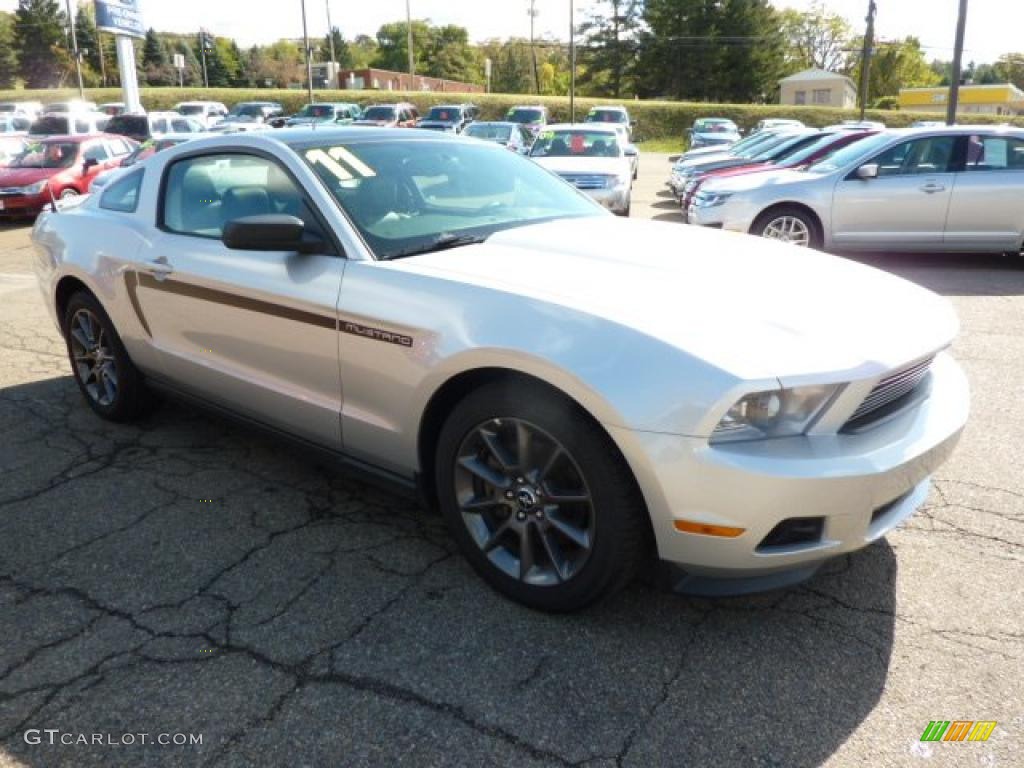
(94, 360)
(788, 229)
(524, 501)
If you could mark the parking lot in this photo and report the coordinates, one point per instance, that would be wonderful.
(189, 576)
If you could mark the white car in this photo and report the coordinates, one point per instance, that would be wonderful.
(592, 157)
(68, 124)
(29, 109)
(576, 393)
(209, 113)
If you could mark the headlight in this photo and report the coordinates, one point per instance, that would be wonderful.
(622, 180)
(34, 189)
(711, 199)
(774, 413)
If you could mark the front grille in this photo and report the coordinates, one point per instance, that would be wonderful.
(793, 532)
(586, 181)
(888, 391)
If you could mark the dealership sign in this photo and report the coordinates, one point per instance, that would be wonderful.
(120, 17)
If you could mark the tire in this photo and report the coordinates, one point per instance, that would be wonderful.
(583, 549)
(118, 391)
(68, 193)
(771, 218)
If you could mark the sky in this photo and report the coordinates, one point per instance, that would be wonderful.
(933, 21)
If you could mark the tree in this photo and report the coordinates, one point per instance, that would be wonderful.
(342, 55)
(511, 65)
(817, 39)
(393, 47)
(89, 45)
(280, 65)
(156, 64)
(8, 56)
(1010, 68)
(39, 37)
(363, 50)
(609, 48)
(896, 65)
(451, 57)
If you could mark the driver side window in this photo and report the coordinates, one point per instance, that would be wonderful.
(202, 194)
(933, 154)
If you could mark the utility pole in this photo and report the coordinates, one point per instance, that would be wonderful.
(330, 30)
(958, 55)
(534, 13)
(865, 57)
(408, 25)
(202, 53)
(74, 50)
(572, 62)
(309, 59)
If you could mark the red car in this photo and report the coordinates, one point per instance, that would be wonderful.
(63, 166)
(805, 156)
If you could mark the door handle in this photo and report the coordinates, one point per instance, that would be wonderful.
(158, 268)
(932, 188)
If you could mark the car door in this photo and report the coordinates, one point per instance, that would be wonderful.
(96, 159)
(987, 209)
(905, 206)
(255, 332)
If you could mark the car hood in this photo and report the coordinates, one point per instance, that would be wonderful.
(606, 166)
(22, 177)
(309, 120)
(757, 309)
(378, 123)
(745, 182)
(437, 124)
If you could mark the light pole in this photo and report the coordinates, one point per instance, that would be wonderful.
(309, 60)
(330, 30)
(534, 13)
(408, 26)
(572, 62)
(865, 58)
(74, 50)
(958, 56)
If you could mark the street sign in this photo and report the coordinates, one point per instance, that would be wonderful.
(120, 17)
(179, 60)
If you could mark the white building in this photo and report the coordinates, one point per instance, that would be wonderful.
(818, 88)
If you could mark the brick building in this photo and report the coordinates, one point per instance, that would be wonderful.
(386, 80)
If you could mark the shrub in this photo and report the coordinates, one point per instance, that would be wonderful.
(657, 119)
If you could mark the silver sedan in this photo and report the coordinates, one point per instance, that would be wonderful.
(958, 189)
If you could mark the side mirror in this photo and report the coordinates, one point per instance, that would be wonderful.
(869, 171)
(89, 164)
(631, 151)
(271, 232)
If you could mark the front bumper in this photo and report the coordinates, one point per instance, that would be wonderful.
(732, 216)
(863, 485)
(615, 200)
(16, 206)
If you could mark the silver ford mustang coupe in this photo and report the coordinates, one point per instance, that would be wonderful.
(579, 395)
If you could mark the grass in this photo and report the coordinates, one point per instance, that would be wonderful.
(665, 146)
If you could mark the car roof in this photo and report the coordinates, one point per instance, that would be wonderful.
(588, 127)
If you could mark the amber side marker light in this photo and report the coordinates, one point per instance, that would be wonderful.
(722, 531)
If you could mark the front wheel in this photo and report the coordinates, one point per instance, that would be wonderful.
(538, 497)
(68, 193)
(788, 225)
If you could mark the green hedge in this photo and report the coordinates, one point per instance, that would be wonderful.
(657, 119)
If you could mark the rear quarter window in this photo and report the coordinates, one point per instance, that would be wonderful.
(123, 195)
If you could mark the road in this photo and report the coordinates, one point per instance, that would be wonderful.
(188, 576)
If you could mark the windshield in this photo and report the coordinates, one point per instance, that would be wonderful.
(490, 131)
(128, 124)
(403, 195)
(714, 126)
(525, 116)
(190, 109)
(787, 149)
(247, 110)
(379, 113)
(444, 114)
(850, 154)
(150, 148)
(317, 110)
(800, 156)
(760, 148)
(50, 126)
(52, 155)
(606, 116)
(576, 143)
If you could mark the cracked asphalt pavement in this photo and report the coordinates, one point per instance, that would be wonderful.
(188, 576)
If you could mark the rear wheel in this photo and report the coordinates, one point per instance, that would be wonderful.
(788, 225)
(68, 193)
(108, 380)
(538, 498)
